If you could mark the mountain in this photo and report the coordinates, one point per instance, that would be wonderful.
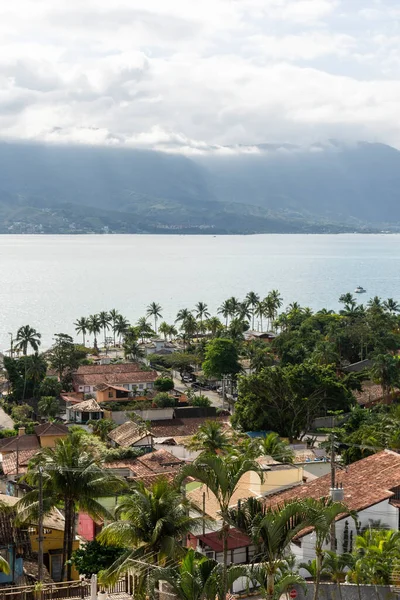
(329, 187)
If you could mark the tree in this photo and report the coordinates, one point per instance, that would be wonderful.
(214, 326)
(386, 371)
(182, 314)
(50, 387)
(104, 320)
(210, 437)
(144, 329)
(25, 375)
(150, 524)
(114, 315)
(94, 327)
(93, 557)
(164, 384)
(63, 356)
(200, 400)
(201, 310)
(252, 300)
(225, 311)
(322, 514)
(164, 328)
(154, 310)
(102, 428)
(221, 358)
(27, 337)
(73, 478)
(164, 400)
(48, 406)
(82, 327)
(271, 531)
(196, 577)
(377, 554)
(272, 445)
(335, 566)
(391, 306)
(221, 475)
(36, 368)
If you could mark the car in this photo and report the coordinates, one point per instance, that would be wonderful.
(196, 385)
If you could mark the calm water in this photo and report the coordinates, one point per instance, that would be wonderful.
(49, 281)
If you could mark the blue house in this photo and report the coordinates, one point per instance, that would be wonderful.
(15, 545)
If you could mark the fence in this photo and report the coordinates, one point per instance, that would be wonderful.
(59, 591)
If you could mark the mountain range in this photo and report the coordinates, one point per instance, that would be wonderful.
(279, 188)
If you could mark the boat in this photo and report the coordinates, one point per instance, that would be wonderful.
(359, 290)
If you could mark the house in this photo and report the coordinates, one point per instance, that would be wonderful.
(49, 433)
(15, 546)
(88, 410)
(371, 394)
(266, 336)
(131, 434)
(53, 534)
(110, 393)
(370, 487)
(130, 376)
(240, 548)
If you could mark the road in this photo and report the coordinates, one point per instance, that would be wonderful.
(214, 398)
(6, 421)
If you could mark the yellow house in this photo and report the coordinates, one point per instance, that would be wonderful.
(53, 533)
(49, 433)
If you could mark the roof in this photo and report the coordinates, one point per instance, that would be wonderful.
(51, 429)
(236, 539)
(150, 466)
(130, 367)
(128, 434)
(87, 406)
(358, 366)
(370, 393)
(10, 462)
(10, 534)
(53, 520)
(181, 427)
(72, 397)
(24, 442)
(212, 506)
(365, 482)
(105, 386)
(95, 379)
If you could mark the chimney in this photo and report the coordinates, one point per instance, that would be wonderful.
(337, 493)
(21, 431)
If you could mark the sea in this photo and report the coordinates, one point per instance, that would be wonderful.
(50, 281)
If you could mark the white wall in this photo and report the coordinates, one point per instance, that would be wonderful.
(178, 451)
(155, 414)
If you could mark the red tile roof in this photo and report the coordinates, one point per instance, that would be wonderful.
(181, 427)
(106, 369)
(115, 378)
(24, 442)
(366, 483)
(236, 539)
(10, 462)
(51, 429)
(128, 434)
(150, 466)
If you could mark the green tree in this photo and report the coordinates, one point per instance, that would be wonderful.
(164, 384)
(201, 311)
(376, 556)
(36, 368)
(63, 357)
(225, 311)
(164, 328)
(105, 320)
(336, 565)
(221, 475)
(272, 445)
(94, 327)
(93, 557)
(102, 427)
(164, 400)
(214, 326)
(82, 327)
(114, 316)
(48, 406)
(144, 329)
(154, 310)
(151, 522)
(391, 306)
(50, 387)
(386, 371)
(221, 358)
(27, 337)
(211, 437)
(252, 300)
(73, 478)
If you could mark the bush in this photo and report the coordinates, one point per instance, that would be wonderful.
(93, 557)
(163, 400)
(122, 454)
(21, 412)
(164, 384)
(200, 401)
(6, 433)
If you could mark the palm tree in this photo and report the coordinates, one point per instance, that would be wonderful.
(82, 326)
(325, 353)
(272, 445)
(277, 301)
(225, 311)
(282, 581)
(94, 327)
(214, 326)
(260, 311)
(121, 326)
(48, 406)
(144, 328)
(102, 427)
(252, 300)
(335, 567)
(322, 514)
(154, 310)
(377, 554)
(244, 312)
(189, 326)
(348, 300)
(391, 306)
(172, 332)
(72, 477)
(385, 370)
(272, 531)
(182, 314)
(211, 438)
(164, 329)
(27, 337)
(221, 475)
(234, 306)
(195, 578)
(114, 314)
(105, 320)
(36, 368)
(269, 310)
(201, 310)
(375, 302)
(151, 522)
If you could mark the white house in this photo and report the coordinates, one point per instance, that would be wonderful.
(130, 376)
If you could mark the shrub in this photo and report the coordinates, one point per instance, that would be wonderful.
(200, 401)
(163, 400)
(164, 384)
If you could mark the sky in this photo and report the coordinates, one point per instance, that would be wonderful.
(190, 75)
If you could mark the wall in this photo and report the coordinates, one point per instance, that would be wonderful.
(178, 451)
(317, 468)
(86, 527)
(49, 441)
(53, 539)
(273, 480)
(155, 414)
(330, 591)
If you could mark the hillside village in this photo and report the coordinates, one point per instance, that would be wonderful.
(256, 451)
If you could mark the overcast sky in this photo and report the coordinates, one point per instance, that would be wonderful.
(192, 73)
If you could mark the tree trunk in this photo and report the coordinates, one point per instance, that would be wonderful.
(225, 534)
(71, 538)
(83, 336)
(67, 529)
(318, 561)
(270, 586)
(23, 395)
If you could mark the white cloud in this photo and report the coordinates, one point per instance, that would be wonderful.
(195, 76)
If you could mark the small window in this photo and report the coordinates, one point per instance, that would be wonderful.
(32, 530)
(111, 394)
(150, 386)
(47, 531)
(87, 389)
(141, 386)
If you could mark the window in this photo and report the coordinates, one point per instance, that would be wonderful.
(111, 394)
(141, 386)
(86, 389)
(150, 386)
(47, 531)
(32, 530)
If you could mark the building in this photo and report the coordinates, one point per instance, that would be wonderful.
(15, 546)
(130, 376)
(370, 487)
(131, 434)
(82, 412)
(53, 534)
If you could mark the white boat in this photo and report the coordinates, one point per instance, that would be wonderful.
(359, 290)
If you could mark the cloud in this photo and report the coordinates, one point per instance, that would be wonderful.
(197, 77)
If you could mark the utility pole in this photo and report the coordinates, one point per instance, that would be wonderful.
(40, 527)
(333, 483)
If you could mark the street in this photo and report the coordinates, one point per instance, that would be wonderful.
(214, 398)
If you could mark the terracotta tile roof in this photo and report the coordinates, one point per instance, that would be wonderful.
(236, 539)
(25, 442)
(127, 434)
(10, 534)
(371, 392)
(53, 520)
(181, 427)
(51, 429)
(366, 483)
(73, 397)
(10, 461)
(110, 368)
(115, 378)
(87, 406)
(105, 386)
(150, 466)
(212, 506)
